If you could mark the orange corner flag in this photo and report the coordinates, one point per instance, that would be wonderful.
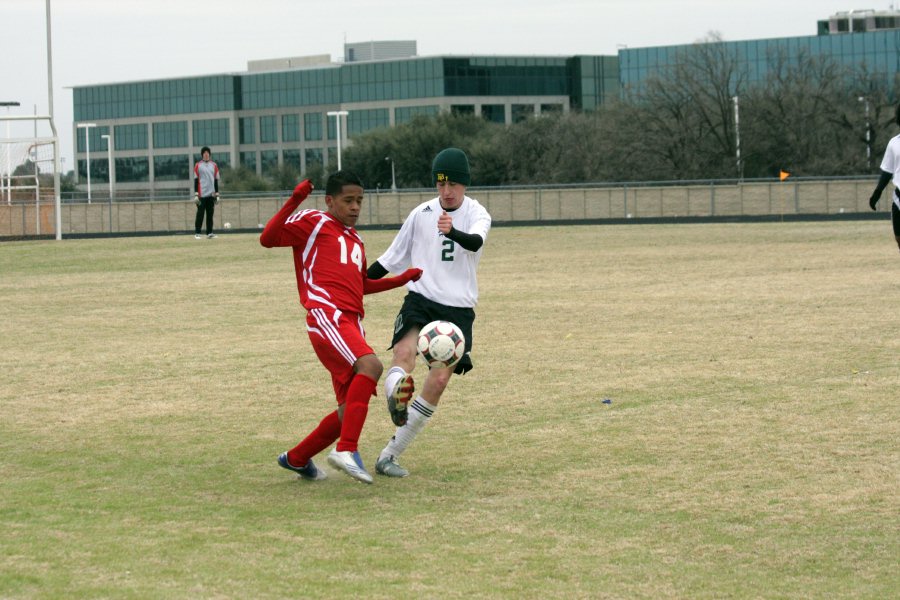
(783, 175)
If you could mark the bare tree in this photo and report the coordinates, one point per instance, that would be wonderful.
(688, 110)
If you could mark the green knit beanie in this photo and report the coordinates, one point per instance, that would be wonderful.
(451, 164)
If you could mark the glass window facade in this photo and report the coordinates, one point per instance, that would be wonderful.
(314, 157)
(268, 160)
(594, 81)
(876, 50)
(312, 126)
(170, 135)
(98, 169)
(505, 76)
(247, 129)
(392, 80)
(495, 113)
(268, 129)
(291, 158)
(96, 142)
(290, 128)
(248, 160)
(361, 121)
(157, 98)
(132, 170)
(462, 109)
(305, 87)
(405, 114)
(130, 137)
(211, 132)
(171, 167)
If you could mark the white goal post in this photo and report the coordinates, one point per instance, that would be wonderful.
(30, 166)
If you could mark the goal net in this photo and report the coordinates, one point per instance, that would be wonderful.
(29, 178)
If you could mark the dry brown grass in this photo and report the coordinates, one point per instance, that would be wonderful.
(749, 449)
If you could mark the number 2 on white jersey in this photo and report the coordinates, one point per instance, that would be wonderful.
(355, 253)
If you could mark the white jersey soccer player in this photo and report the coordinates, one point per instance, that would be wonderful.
(445, 238)
(448, 271)
(890, 171)
(891, 164)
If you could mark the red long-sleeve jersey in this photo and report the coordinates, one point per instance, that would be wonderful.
(329, 257)
(329, 260)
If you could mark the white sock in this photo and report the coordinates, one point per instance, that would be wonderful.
(390, 380)
(420, 412)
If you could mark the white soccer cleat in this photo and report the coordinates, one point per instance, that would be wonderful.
(350, 463)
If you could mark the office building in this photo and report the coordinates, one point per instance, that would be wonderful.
(276, 113)
(873, 46)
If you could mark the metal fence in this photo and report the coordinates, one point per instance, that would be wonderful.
(507, 205)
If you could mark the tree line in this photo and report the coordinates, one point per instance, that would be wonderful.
(807, 116)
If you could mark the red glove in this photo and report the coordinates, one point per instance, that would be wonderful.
(303, 189)
(373, 286)
(271, 234)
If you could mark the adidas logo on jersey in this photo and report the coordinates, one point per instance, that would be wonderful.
(427, 209)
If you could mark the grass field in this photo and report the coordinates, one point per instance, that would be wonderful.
(751, 448)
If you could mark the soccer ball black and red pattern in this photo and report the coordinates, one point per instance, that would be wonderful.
(441, 344)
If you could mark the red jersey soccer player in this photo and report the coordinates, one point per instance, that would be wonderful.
(330, 263)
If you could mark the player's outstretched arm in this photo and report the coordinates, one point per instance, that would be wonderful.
(271, 234)
(373, 286)
(882, 183)
(376, 271)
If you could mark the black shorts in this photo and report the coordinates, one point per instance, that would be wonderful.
(895, 216)
(417, 311)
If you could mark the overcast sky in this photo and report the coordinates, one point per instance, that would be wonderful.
(105, 41)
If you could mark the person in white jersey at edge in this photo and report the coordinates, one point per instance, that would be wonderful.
(890, 171)
(445, 238)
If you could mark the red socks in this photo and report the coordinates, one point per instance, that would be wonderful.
(361, 389)
(322, 436)
(331, 428)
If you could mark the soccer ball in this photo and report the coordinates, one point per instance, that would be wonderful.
(227, 225)
(441, 344)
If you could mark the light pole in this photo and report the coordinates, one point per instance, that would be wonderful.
(7, 186)
(393, 174)
(868, 134)
(87, 151)
(337, 114)
(109, 172)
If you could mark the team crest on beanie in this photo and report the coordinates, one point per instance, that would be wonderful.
(450, 165)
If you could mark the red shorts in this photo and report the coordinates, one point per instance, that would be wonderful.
(339, 340)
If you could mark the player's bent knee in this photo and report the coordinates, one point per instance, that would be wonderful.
(370, 366)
